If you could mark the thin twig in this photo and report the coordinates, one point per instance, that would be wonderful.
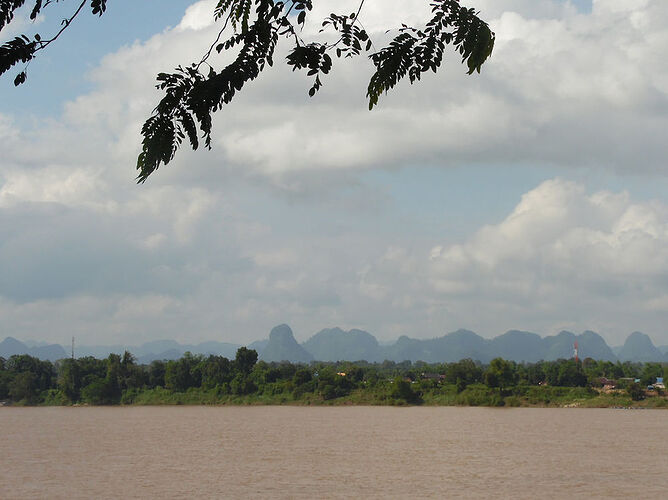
(298, 40)
(67, 22)
(213, 45)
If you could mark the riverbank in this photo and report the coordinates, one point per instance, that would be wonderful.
(446, 395)
(215, 380)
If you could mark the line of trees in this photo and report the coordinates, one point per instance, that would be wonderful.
(119, 379)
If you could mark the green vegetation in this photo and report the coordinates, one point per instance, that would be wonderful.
(197, 379)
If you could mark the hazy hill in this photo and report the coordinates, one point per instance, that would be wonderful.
(100, 351)
(518, 345)
(282, 346)
(592, 345)
(159, 349)
(10, 346)
(334, 344)
(168, 355)
(559, 346)
(451, 347)
(218, 348)
(458, 345)
(156, 346)
(52, 352)
(514, 345)
(406, 348)
(35, 343)
(258, 345)
(639, 347)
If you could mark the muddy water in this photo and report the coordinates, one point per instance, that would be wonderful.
(367, 452)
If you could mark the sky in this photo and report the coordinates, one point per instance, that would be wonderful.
(533, 196)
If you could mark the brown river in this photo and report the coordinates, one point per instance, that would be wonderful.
(332, 452)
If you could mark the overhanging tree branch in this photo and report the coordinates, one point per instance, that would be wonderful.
(23, 49)
(253, 28)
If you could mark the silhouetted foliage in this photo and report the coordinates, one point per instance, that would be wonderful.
(251, 30)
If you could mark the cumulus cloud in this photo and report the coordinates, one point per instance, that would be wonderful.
(562, 88)
(562, 258)
(264, 229)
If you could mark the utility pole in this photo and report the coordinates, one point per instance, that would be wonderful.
(72, 347)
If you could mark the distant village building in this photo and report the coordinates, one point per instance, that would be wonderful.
(432, 376)
(607, 384)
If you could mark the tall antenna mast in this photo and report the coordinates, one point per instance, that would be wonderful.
(575, 351)
(72, 347)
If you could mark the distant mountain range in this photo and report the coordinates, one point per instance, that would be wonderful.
(335, 344)
(10, 346)
(145, 353)
(355, 345)
(282, 346)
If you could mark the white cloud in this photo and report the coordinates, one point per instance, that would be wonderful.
(205, 250)
(570, 90)
(53, 184)
(198, 16)
(562, 256)
(21, 23)
(562, 88)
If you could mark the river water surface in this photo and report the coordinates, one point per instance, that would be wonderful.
(325, 452)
